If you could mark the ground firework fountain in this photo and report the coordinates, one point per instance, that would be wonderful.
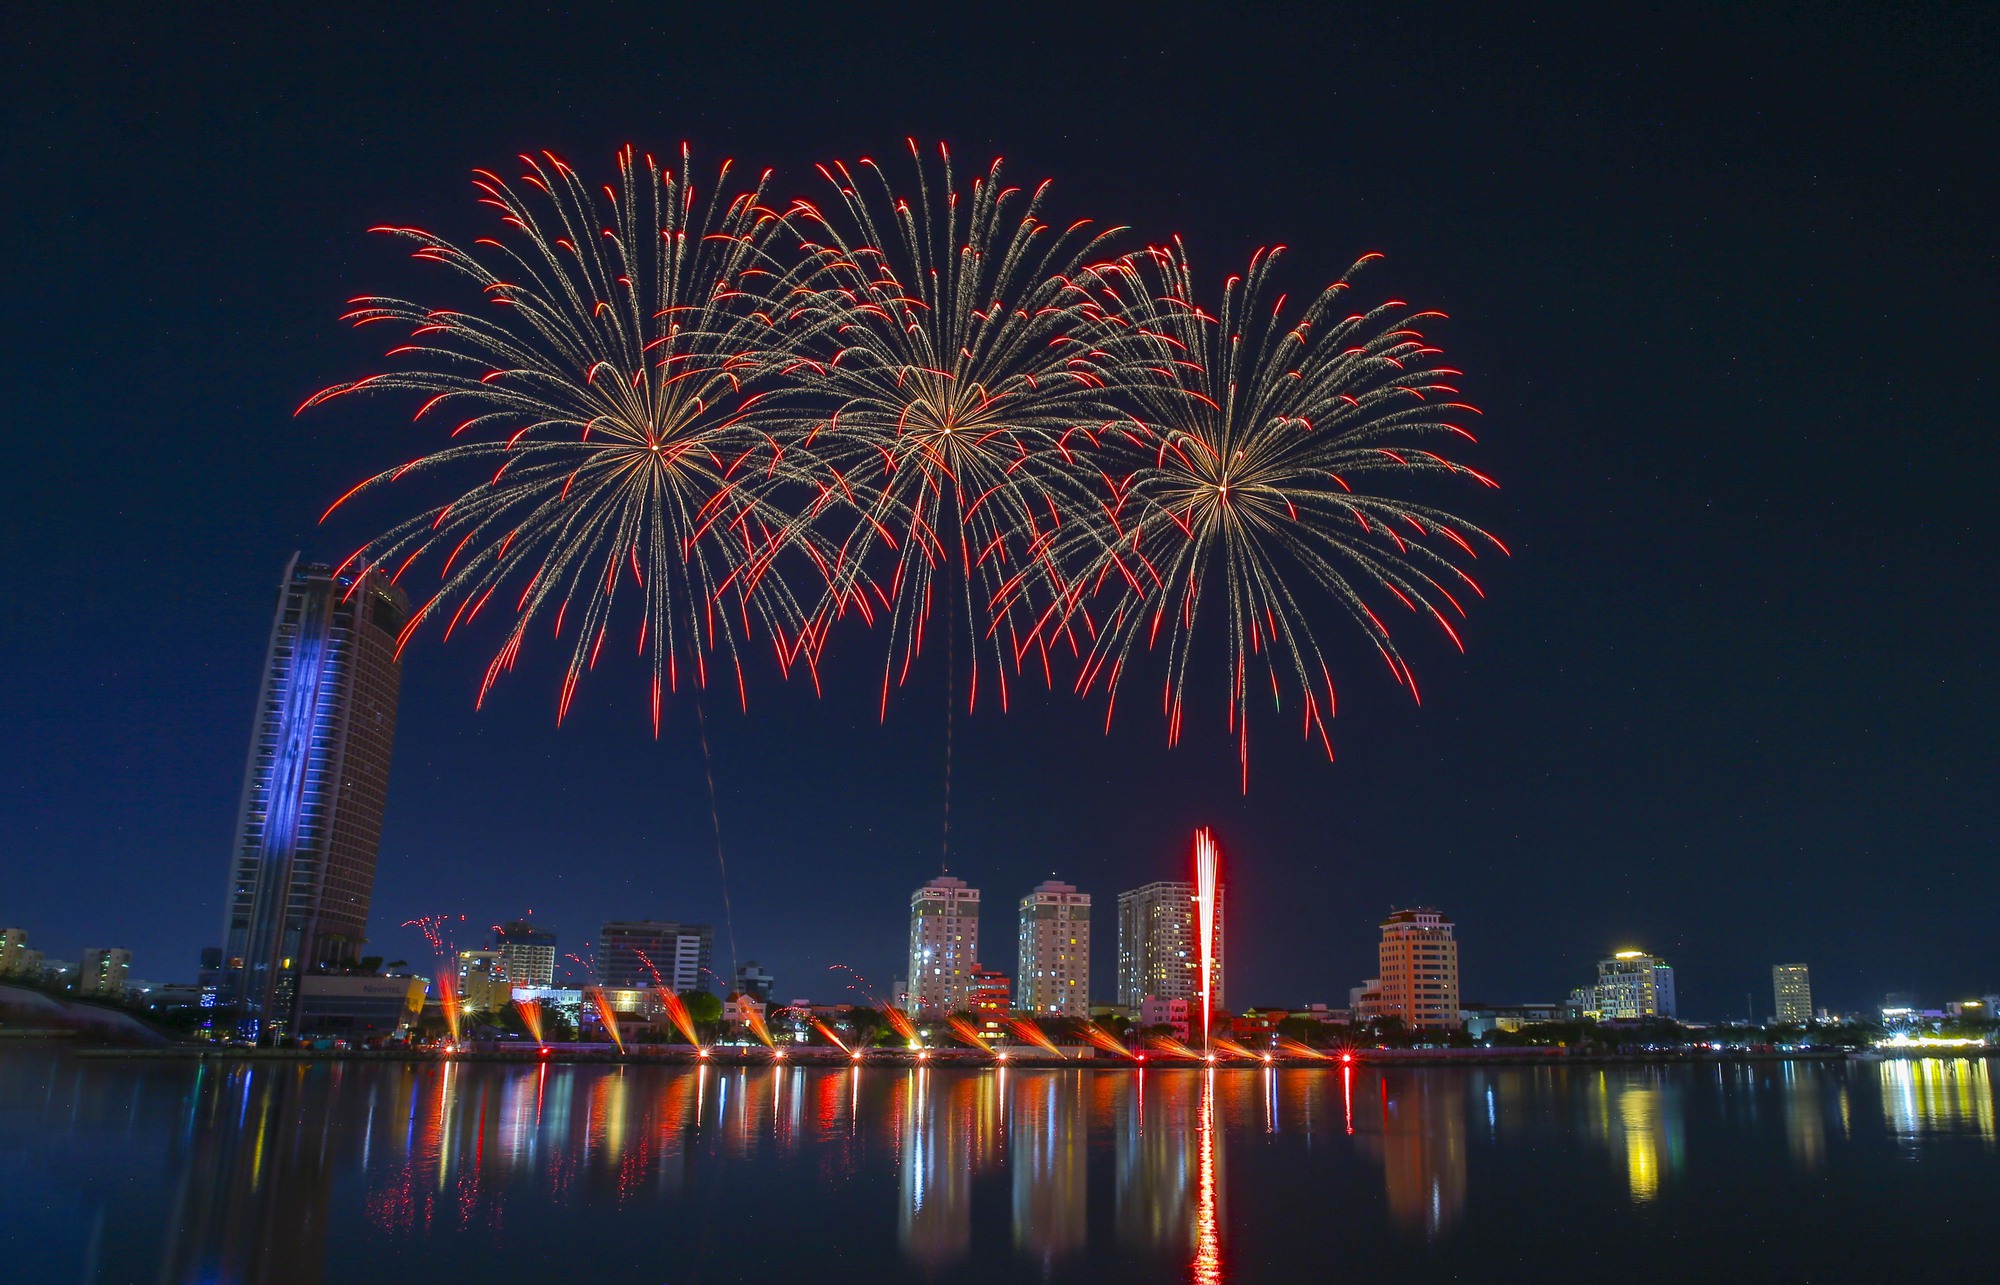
(964, 1030)
(1105, 1040)
(531, 1017)
(1033, 1034)
(837, 1042)
(903, 1025)
(605, 1015)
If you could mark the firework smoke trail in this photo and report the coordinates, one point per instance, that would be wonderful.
(1294, 1048)
(1027, 1029)
(1206, 874)
(965, 1031)
(1247, 498)
(613, 401)
(827, 1031)
(961, 364)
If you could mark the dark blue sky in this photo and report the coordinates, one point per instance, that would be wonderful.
(1721, 280)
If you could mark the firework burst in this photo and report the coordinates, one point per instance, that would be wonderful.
(957, 351)
(607, 400)
(1266, 434)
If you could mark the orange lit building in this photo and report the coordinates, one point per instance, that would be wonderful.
(1419, 970)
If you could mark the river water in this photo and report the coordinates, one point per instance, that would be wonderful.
(178, 1171)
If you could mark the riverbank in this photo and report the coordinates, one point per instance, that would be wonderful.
(736, 1056)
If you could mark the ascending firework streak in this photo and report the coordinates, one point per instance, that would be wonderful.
(1248, 494)
(964, 367)
(611, 399)
(1206, 861)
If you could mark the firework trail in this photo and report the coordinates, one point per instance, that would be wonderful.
(609, 401)
(1033, 1034)
(1294, 1048)
(677, 1013)
(1230, 1048)
(1172, 1047)
(837, 1042)
(1248, 498)
(960, 361)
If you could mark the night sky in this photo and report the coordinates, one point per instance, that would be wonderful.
(1721, 281)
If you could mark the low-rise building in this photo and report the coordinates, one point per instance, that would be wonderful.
(359, 1006)
(1154, 1011)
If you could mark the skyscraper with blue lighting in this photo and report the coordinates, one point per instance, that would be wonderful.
(303, 868)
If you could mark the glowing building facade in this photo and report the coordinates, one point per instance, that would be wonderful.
(1791, 993)
(103, 971)
(1054, 974)
(1157, 948)
(1417, 963)
(303, 867)
(944, 945)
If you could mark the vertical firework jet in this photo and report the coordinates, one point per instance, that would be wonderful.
(960, 357)
(1262, 430)
(1206, 872)
(609, 403)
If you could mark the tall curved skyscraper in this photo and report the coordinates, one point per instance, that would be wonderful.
(303, 868)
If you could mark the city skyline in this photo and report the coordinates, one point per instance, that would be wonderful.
(1657, 719)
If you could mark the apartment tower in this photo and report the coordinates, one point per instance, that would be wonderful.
(1054, 975)
(944, 945)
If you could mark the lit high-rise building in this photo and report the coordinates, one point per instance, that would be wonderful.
(303, 866)
(651, 952)
(1054, 975)
(1158, 947)
(1418, 966)
(527, 954)
(944, 945)
(13, 947)
(1630, 985)
(1791, 992)
(102, 971)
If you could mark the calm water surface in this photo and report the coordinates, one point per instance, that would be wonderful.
(114, 1171)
